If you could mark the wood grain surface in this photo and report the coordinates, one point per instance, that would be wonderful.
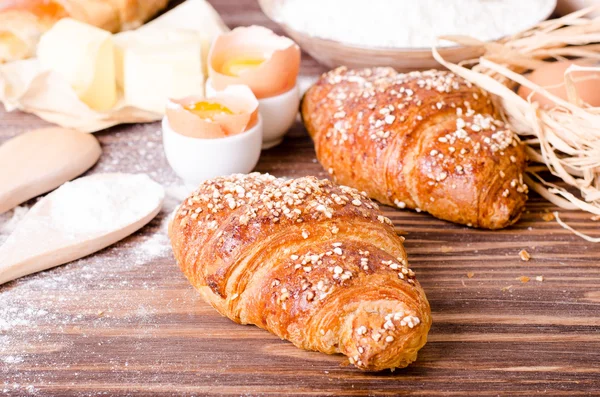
(126, 322)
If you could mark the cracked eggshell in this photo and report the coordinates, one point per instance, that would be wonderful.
(238, 98)
(276, 75)
(552, 78)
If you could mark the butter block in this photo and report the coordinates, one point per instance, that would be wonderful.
(194, 15)
(156, 64)
(84, 56)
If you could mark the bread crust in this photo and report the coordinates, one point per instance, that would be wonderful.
(429, 141)
(312, 262)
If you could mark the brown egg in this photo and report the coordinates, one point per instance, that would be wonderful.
(257, 57)
(229, 112)
(552, 78)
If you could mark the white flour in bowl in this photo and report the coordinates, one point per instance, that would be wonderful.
(410, 23)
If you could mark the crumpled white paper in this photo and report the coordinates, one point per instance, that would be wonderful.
(25, 86)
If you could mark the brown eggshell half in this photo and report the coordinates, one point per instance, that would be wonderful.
(552, 77)
(275, 76)
(238, 98)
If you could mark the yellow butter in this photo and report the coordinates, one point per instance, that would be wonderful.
(83, 55)
(156, 64)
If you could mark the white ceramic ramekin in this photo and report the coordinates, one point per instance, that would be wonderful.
(196, 160)
(278, 114)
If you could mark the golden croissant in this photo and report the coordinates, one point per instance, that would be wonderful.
(22, 22)
(429, 141)
(310, 261)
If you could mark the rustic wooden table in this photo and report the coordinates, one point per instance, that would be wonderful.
(126, 322)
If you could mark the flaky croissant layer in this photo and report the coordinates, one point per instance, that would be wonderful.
(310, 261)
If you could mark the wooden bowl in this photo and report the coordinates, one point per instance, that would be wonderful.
(333, 53)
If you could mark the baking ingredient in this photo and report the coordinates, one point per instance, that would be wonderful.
(229, 112)
(552, 78)
(408, 23)
(83, 55)
(77, 219)
(196, 16)
(207, 110)
(38, 161)
(238, 65)
(257, 57)
(10, 220)
(30, 304)
(563, 138)
(156, 64)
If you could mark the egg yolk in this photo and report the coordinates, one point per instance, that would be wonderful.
(208, 110)
(235, 66)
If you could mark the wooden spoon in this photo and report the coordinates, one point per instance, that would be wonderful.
(38, 161)
(77, 219)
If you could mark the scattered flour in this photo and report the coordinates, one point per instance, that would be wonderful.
(12, 359)
(54, 319)
(10, 220)
(36, 312)
(37, 315)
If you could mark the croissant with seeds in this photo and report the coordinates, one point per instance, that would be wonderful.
(429, 141)
(310, 261)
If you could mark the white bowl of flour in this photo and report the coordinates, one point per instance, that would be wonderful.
(399, 33)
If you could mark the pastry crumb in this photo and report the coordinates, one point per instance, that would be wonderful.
(596, 218)
(548, 216)
(539, 278)
(470, 274)
(445, 248)
(524, 279)
(525, 257)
